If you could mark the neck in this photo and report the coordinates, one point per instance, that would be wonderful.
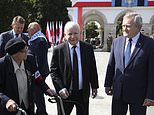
(17, 60)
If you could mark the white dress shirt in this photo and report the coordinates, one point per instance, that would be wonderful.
(77, 49)
(22, 82)
(134, 41)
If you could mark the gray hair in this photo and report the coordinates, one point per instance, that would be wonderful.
(137, 18)
(71, 24)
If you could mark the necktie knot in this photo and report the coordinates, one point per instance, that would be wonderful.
(130, 39)
(74, 47)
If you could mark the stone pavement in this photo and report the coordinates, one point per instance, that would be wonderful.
(102, 103)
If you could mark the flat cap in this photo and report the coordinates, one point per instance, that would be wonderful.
(14, 45)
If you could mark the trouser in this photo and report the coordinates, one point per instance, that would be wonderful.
(39, 101)
(119, 107)
(76, 99)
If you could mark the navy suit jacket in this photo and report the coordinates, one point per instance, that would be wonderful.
(135, 82)
(5, 37)
(39, 49)
(61, 68)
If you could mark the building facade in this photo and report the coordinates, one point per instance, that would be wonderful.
(109, 13)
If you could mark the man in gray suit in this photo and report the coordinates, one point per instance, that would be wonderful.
(18, 24)
(129, 78)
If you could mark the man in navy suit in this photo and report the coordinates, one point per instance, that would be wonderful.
(38, 47)
(131, 83)
(63, 73)
(18, 24)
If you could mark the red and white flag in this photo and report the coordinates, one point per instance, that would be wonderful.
(61, 32)
(52, 31)
(48, 33)
(57, 33)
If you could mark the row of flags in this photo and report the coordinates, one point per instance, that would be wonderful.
(54, 32)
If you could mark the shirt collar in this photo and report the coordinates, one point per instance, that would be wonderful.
(14, 33)
(16, 66)
(135, 38)
(77, 45)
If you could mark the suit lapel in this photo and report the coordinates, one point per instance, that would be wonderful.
(82, 54)
(67, 60)
(13, 79)
(122, 49)
(137, 48)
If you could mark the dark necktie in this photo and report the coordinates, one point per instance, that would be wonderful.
(75, 70)
(16, 35)
(128, 52)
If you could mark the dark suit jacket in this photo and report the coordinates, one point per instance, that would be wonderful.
(39, 49)
(5, 37)
(61, 68)
(8, 83)
(135, 81)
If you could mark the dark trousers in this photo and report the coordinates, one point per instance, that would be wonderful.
(119, 107)
(39, 101)
(29, 111)
(76, 99)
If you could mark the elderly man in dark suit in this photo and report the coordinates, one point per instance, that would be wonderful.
(73, 71)
(17, 74)
(18, 24)
(38, 47)
(130, 72)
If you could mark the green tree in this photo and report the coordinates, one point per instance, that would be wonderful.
(33, 10)
(91, 30)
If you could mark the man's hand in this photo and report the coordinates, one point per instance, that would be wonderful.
(148, 102)
(108, 90)
(64, 93)
(11, 105)
(51, 92)
(94, 93)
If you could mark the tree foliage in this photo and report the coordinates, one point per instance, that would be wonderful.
(91, 30)
(33, 10)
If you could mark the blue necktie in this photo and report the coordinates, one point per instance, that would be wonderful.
(128, 52)
(75, 70)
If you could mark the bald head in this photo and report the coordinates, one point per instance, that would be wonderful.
(33, 27)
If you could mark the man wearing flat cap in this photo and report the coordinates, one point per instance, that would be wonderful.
(18, 71)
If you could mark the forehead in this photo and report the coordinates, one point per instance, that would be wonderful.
(72, 29)
(18, 24)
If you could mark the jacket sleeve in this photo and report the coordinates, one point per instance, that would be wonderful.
(55, 71)
(3, 97)
(36, 76)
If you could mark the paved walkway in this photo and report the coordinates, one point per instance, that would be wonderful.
(102, 103)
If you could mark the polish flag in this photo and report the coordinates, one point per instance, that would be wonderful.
(52, 31)
(57, 33)
(61, 33)
(48, 31)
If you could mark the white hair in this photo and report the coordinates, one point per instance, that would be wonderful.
(71, 24)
